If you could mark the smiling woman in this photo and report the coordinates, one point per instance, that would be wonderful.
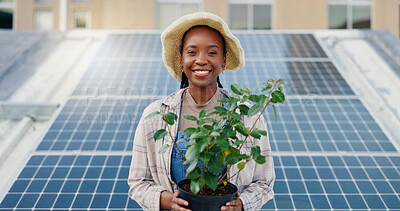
(197, 48)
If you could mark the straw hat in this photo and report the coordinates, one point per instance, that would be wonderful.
(171, 39)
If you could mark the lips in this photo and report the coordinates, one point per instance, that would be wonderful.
(201, 73)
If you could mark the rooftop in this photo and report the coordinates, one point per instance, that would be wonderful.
(70, 103)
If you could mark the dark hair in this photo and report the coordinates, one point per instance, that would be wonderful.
(185, 80)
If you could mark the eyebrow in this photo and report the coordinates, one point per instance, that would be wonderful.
(194, 46)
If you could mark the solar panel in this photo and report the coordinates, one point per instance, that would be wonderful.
(302, 182)
(255, 45)
(314, 124)
(329, 151)
(139, 78)
(336, 182)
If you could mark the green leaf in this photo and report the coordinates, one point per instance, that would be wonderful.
(254, 110)
(204, 130)
(236, 89)
(240, 129)
(263, 100)
(224, 100)
(163, 149)
(192, 166)
(205, 157)
(152, 114)
(227, 132)
(235, 116)
(160, 134)
(212, 113)
(231, 158)
(280, 82)
(190, 117)
(202, 143)
(275, 112)
(255, 151)
(245, 98)
(244, 109)
(270, 80)
(189, 131)
(254, 98)
(238, 142)
(255, 134)
(277, 97)
(200, 122)
(192, 152)
(208, 127)
(262, 132)
(170, 118)
(221, 157)
(232, 107)
(210, 179)
(196, 185)
(223, 143)
(214, 149)
(266, 86)
(241, 165)
(202, 114)
(193, 174)
(182, 140)
(259, 159)
(215, 134)
(220, 109)
(197, 135)
(221, 123)
(214, 165)
(245, 90)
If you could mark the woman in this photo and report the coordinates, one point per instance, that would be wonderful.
(196, 49)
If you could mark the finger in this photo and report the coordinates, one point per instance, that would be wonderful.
(180, 201)
(238, 194)
(232, 203)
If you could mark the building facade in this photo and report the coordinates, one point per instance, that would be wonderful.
(240, 14)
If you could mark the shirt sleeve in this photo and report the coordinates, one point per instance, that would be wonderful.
(260, 191)
(142, 187)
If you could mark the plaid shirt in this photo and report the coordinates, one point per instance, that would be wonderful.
(150, 174)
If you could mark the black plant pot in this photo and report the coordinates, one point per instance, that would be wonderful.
(201, 203)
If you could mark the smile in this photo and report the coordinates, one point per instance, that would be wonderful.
(201, 73)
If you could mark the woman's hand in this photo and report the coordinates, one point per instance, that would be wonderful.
(178, 202)
(234, 205)
(170, 200)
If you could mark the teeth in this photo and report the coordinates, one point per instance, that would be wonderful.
(201, 72)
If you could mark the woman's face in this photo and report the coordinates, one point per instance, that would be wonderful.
(202, 57)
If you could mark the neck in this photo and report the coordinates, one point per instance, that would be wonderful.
(202, 95)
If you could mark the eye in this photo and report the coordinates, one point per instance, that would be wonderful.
(190, 52)
(212, 53)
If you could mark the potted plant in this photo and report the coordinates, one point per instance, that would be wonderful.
(214, 146)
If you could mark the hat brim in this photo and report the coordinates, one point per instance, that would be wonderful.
(171, 39)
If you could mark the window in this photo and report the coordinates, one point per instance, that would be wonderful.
(170, 10)
(82, 19)
(43, 19)
(42, 1)
(6, 14)
(349, 14)
(6, 18)
(248, 15)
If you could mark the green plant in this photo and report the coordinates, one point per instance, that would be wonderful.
(214, 143)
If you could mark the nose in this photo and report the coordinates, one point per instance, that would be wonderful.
(201, 59)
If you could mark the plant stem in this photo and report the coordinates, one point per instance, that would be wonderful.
(176, 146)
(252, 127)
(254, 124)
